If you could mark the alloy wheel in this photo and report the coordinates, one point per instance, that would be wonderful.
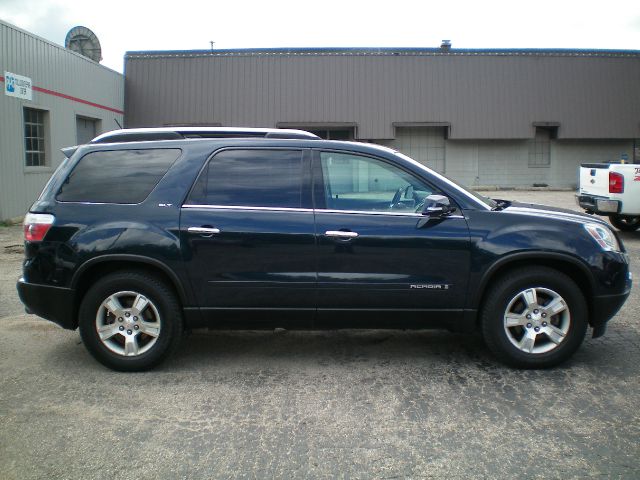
(537, 320)
(128, 323)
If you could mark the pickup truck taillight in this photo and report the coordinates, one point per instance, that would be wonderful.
(616, 182)
(36, 226)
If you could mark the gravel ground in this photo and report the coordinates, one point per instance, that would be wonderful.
(11, 251)
(351, 404)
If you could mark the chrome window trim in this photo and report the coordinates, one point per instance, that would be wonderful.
(245, 207)
(390, 213)
(310, 210)
(98, 203)
(370, 212)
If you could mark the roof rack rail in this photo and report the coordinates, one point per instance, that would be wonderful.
(180, 133)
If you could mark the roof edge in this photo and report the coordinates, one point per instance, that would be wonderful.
(56, 45)
(390, 51)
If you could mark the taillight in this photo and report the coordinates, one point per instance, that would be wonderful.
(36, 226)
(616, 183)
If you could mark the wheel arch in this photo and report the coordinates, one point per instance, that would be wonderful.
(566, 264)
(86, 275)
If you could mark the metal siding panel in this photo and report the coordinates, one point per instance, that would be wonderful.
(220, 96)
(482, 96)
(187, 106)
(215, 86)
(222, 88)
(53, 68)
(160, 104)
(154, 105)
(244, 72)
(258, 94)
(181, 69)
(173, 73)
(204, 99)
(272, 105)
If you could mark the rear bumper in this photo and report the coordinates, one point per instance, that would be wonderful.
(599, 205)
(51, 303)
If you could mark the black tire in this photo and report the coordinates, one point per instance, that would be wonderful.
(558, 336)
(150, 338)
(625, 223)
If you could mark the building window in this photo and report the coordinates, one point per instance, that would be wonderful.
(540, 148)
(34, 137)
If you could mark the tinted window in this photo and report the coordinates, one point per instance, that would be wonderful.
(117, 176)
(255, 178)
(353, 182)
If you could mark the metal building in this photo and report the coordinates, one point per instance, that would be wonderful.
(52, 98)
(483, 117)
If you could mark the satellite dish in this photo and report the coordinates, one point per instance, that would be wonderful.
(83, 41)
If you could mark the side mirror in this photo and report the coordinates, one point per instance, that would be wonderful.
(437, 206)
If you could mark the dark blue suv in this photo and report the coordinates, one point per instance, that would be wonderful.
(143, 234)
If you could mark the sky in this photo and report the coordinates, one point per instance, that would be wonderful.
(192, 24)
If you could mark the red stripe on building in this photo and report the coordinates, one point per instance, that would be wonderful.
(74, 99)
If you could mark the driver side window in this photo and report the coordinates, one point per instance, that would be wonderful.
(354, 182)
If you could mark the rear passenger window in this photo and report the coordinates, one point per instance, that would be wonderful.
(254, 178)
(117, 176)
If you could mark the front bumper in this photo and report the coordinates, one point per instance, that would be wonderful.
(599, 205)
(604, 307)
(51, 303)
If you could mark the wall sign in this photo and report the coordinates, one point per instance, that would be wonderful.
(17, 86)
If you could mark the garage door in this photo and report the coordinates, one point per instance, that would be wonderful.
(85, 129)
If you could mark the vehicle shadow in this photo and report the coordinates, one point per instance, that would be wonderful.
(221, 353)
(333, 346)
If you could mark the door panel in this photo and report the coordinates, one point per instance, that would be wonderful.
(247, 232)
(392, 263)
(259, 258)
(390, 257)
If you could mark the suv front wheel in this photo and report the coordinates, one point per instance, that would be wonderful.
(534, 318)
(130, 321)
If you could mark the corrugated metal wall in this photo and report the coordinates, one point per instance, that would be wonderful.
(481, 95)
(426, 145)
(60, 72)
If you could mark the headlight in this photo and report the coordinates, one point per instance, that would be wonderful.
(603, 236)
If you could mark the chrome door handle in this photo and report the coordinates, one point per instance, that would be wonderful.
(203, 230)
(340, 234)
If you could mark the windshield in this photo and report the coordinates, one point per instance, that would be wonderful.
(481, 198)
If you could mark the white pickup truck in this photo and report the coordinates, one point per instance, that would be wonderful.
(612, 189)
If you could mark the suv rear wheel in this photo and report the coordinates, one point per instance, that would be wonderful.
(534, 318)
(130, 321)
